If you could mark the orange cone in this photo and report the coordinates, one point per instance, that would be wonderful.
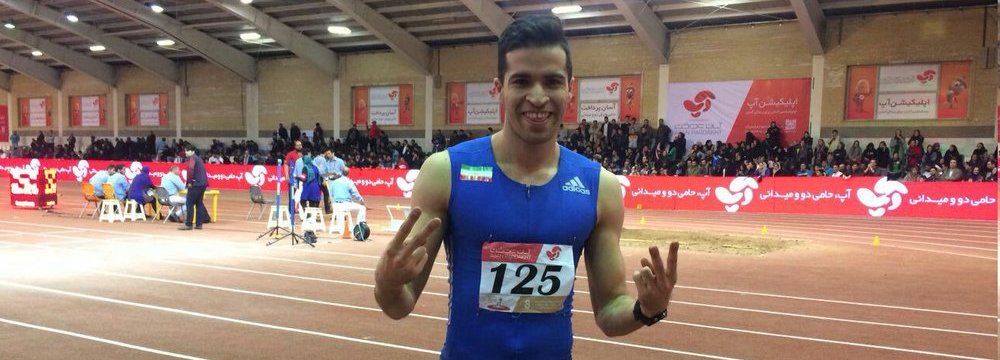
(347, 232)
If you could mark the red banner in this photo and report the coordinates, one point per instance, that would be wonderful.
(456, 103)
(861, 85)
(4, 124)
(953, 90)
(360, 105)
(864, 196)
(631, 98)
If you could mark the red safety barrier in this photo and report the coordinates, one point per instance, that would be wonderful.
(871, 196)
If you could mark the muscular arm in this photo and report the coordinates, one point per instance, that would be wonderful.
(430, 194)
(605, 267)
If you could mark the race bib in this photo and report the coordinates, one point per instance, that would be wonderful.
(525, 278)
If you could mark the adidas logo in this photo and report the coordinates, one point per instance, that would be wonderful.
(575, 185)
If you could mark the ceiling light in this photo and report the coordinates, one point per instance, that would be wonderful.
(566, 9)
(96, 48)
(248, 36)
(165, 42)
(246, 1)
(36, 53)
(8, 24)
(339, 30)
(72, 17)
(156, 8)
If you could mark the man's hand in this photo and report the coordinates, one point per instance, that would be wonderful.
(654, 282)
(403, 260)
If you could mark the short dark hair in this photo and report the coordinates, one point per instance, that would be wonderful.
(532, 31)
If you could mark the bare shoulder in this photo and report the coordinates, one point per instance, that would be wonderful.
(433, 185)
(609, 197)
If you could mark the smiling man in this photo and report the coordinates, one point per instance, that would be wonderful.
(515, 211)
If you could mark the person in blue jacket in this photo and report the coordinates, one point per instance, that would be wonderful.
(141, 184)
(515, 211)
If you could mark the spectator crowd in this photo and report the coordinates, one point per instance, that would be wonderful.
(625, 148)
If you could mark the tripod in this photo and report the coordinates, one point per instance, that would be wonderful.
(275, 233)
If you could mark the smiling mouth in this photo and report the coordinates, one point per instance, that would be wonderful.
(536, 116)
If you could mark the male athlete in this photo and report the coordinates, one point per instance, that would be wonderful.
(515, 211)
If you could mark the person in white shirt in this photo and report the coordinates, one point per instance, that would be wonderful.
(345, 193)
(173, 184)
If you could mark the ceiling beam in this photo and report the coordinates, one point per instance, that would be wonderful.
(34, 69)
(159, 65)
(813, 23)
(80, 62)
(209, 48)
(310, 50)
(495, 18)
(401, 41)
(647, 26)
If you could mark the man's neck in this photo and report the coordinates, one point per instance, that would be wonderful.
(524, 160)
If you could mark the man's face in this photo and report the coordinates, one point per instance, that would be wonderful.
(953, 164)
(298, 146)
(328, 155)
(535, 92)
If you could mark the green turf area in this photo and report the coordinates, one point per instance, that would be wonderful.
(707, 242)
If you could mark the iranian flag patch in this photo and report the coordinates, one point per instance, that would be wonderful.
(476, 173)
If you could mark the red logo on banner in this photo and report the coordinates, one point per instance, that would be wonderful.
(393, 94)
(926, 76)
(612, 87)
(702, 102)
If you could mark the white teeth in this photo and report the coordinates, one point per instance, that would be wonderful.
(536, 115)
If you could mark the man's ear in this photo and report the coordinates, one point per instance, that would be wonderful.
(571, 92)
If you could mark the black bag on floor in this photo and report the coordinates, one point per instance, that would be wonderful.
(361, 231)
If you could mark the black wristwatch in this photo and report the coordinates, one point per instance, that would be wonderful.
(648, 321)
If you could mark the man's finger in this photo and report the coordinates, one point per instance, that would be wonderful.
(637, 279)
(421, 238)
(654, 255)
(404, 229)
(672, 262)
(646, 264)
(418, 258)
(648, 279)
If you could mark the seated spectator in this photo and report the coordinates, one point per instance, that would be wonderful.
(818, 171)
(173, 184)
(101, 178)
(896, 167)
(120, 183)
(975, 176)
(953, 173)
(933, 174)
(345, 193)
(139, 190)
(871, 169)
(991, 171)
(913, 175)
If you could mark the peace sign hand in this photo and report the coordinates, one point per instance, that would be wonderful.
(654, 282)
(403, 260)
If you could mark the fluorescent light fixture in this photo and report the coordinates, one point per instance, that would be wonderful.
(246, 1)
(339, 30)
(8, 24)
(156, 8)
(249, 36)
(36, 53)
(72, 17)
(165, 42)
(566, 9)
(96, 48)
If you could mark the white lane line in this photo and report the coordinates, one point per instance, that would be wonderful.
(98, 339)
(213, 317)
(371, 309)
(738, 292)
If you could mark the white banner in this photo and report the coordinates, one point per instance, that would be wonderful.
(480, 93)
(384, 115)
(482, 113)
(909, 78)
(600, 89)
(705, 111)
(906, 106)
(90, 111)
(149, 110)
(594, 111)
(36, 112)
(383, 96)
